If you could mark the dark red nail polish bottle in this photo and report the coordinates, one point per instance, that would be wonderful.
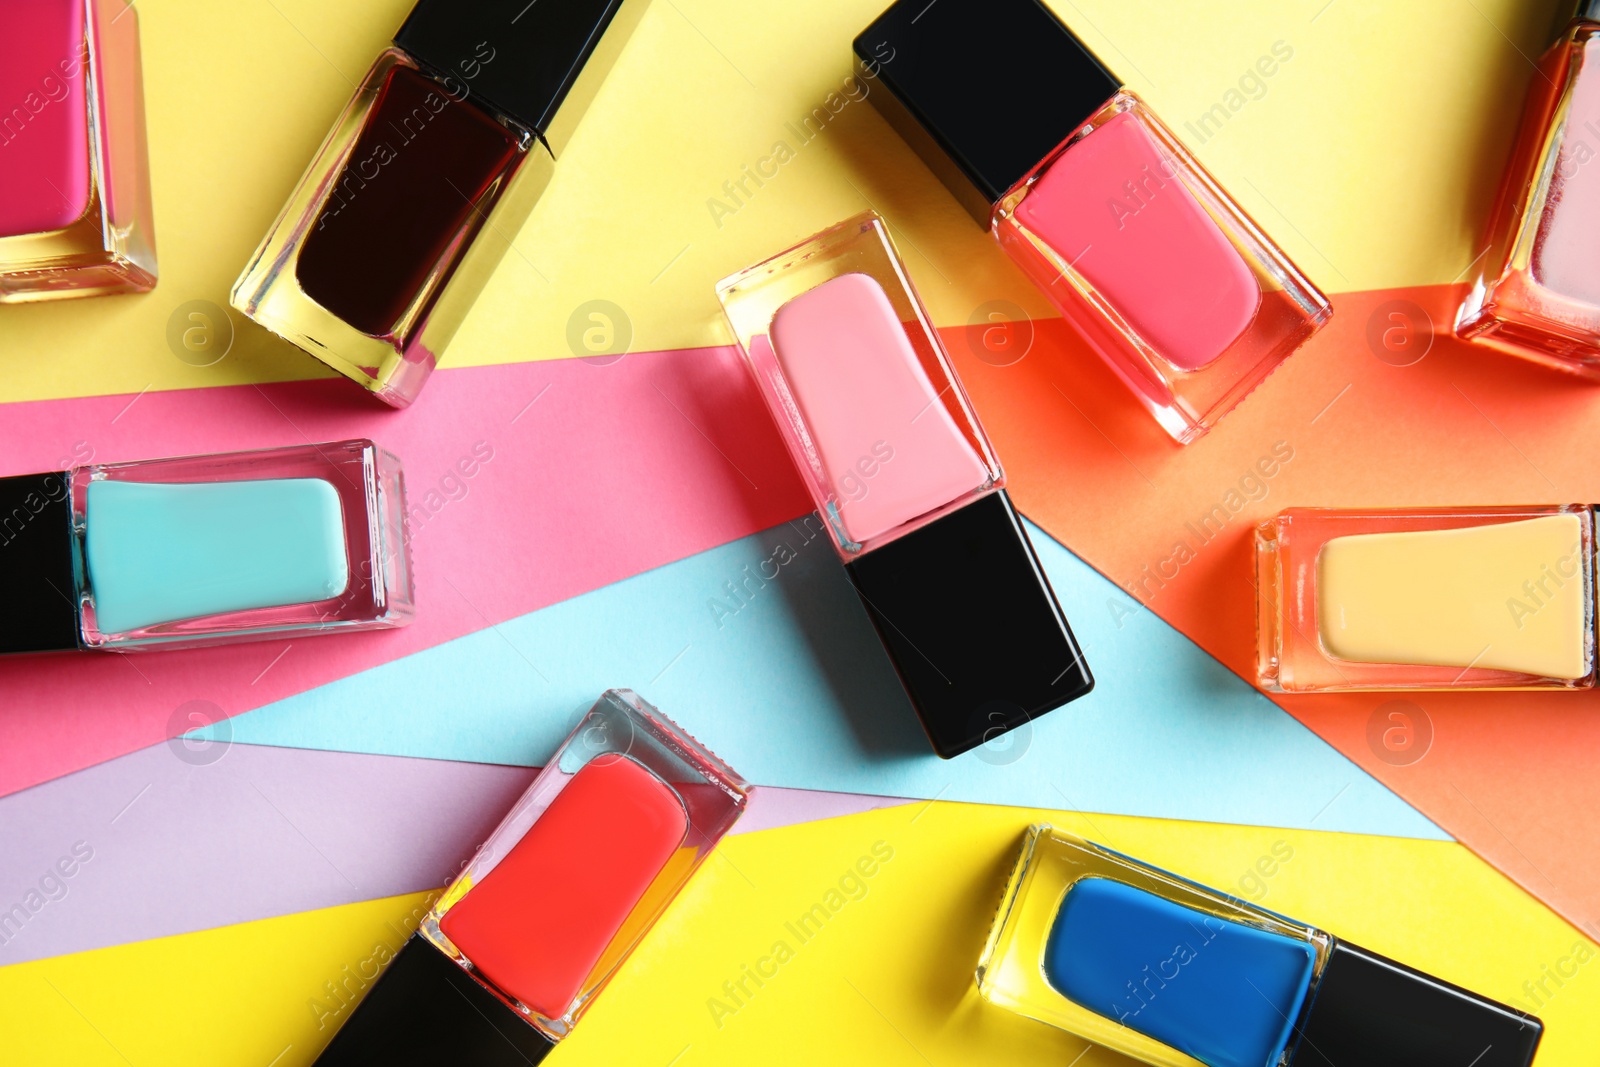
(425, 180)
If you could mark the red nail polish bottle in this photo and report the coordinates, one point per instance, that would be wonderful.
(512, 954)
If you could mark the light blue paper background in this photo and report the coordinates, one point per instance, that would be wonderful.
(788, 683)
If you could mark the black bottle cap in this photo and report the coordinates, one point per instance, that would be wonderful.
(1369, 1011)
(38, 594)
(539, 62)
(982, 89)
(424, 1010)
(972, 625)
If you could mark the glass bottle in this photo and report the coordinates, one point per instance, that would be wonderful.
(1537, 293)
(204, 550)
(425, 180)
(511, 955)
(905, 480)
(1176, 288)
(75, 216)
(1173, 973)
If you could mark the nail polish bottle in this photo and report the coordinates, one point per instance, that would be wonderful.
(75, 216)
(1095, 199)
(425, 180)
(1426, 598)
(905, 481)
(204, 550)
(1537, 293)
(1169, 972)
(512, 954)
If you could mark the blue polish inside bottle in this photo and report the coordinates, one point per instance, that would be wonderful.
(1223, 992)
(158, 552)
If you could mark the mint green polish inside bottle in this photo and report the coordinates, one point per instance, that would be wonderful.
(158, 552)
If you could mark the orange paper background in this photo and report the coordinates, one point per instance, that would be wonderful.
(1506, 773)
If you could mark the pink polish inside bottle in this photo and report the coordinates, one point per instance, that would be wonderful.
(75, 214)
(858, 385)
(1537, 293)
(44, 139)
(1566, 254)
(1145, 244)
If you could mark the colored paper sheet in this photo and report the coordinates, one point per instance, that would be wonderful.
(556, 470)
(1348, 422)
(258, 832)
(255, 832)
(527, 484)
(772, 807)
(1167, 731)
(875, 967)
(1363, 136)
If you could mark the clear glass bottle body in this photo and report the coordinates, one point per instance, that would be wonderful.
(1476, 593)
(1012, 972)
(1168, 279)
(884, 434)
(620, 724)
(339, 277)
(76, 218)
(1535, 295)
(364, 492)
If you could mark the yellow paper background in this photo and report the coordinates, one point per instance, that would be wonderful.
(886, 980)
(1370, 156)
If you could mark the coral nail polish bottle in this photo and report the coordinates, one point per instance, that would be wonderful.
(204, 550)
(515, 951)
(75, 216)
(425, 180)
(1538, 293)
(1099, 203)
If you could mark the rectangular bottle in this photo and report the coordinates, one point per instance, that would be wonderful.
(883, 434)
(1538, 291)
(1426, 598)
(204, 550)
(1169, 972)
(509, 958)
(425, 180)
(75, 216)
(1094, 198)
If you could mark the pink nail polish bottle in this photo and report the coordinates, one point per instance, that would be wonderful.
(1538, 293)
(75, 215)
(1102, 206)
